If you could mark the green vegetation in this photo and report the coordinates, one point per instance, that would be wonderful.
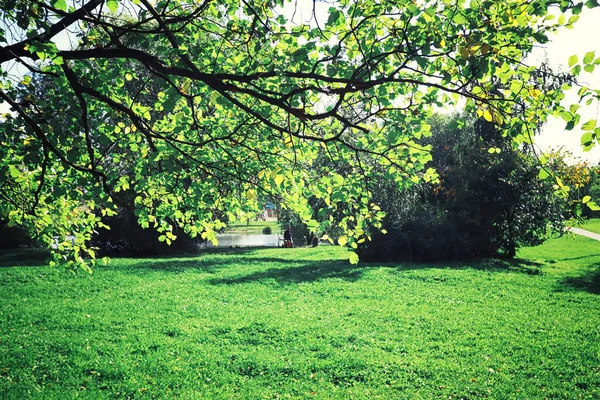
(466, 216)
(304, 323)
(191, 115)
(254, 227)
(592, 225)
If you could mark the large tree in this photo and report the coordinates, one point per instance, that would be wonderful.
(199, 108)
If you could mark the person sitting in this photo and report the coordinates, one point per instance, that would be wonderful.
(287, 238)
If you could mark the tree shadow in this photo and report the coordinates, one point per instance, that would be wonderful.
(29, 257)
(207, 261)
(298, 273)
(510, 265)
(577, 258)
(587, 282)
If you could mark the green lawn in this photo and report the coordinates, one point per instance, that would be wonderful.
(303, 323)
(592, 225)
(254, 227)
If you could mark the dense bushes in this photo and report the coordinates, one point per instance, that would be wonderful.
(488, 200)
(127, 238)
(12, 237)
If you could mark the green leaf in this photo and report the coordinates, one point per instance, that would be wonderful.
(14, 171)
(543, 174)
(487, 115)
(587, 138)
(573, 60)
(353, 258)
(312, 224)
(567, 116)
(589, 126)
(516, 86)
(591, 3)
(592, 206)
(342, 240)
(113, 5)
(334, 16)
(589, 57)
(586, 199)
(60, 4)
(278, 179)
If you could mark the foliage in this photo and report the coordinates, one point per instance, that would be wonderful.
(304, 323)
(204, 108)
(127, 238)
(488, 198)
(592, 189)
(573, 183)
(267, 230)
(12, 237)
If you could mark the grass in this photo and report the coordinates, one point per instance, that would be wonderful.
(592, 225)
(303, 323)
(254, 227)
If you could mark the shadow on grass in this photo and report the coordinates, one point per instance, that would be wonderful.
(588, 282)
(207, 260)
(287, 270)
(299, 273)
(342, 269)
(510, 264)
(23, 257)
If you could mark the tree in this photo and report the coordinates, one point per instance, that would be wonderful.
(216, 103)
(487, 199)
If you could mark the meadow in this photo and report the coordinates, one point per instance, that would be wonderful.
(304, 323)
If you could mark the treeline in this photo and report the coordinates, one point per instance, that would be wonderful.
(489, 200)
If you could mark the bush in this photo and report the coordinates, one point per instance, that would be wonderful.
(485, 203)
(267, 230)
(12, 237)
(127, 238)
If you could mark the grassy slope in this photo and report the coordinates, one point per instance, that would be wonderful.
(302, 323)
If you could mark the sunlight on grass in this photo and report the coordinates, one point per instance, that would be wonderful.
(592, 225)
(301, 323)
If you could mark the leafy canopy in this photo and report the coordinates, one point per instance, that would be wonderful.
(201, 110)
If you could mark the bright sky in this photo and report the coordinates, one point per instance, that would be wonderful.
(580, 40)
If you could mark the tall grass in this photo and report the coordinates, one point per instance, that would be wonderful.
(303, 323)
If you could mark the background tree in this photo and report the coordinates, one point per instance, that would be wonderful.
(221, 101)
(488, 199)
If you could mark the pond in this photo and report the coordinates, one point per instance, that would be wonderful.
(246, 240)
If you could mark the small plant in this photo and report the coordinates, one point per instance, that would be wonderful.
(267, 230)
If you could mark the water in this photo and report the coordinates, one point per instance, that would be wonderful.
(241, 240)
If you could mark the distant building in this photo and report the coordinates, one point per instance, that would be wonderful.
(269, 212)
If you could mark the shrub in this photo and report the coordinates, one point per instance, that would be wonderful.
(267, 230)
(486, 202)
(127, 238)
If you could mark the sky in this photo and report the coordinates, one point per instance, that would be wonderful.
(579, 40)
